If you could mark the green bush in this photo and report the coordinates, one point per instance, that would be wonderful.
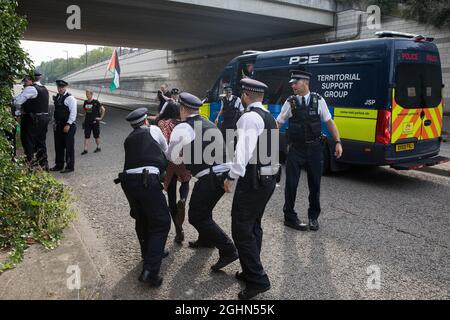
(34, 206)
(431, 12)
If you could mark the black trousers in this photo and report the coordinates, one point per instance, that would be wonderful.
(207, 191)
(172, 195)
(247, 211)
(149, 208)
(309, 157)
(65, 146)
(33, 136)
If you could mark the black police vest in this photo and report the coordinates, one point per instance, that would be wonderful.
(62, 112)
(38, 104)
(195, 168)
(229, 110)
(142, 150)
(269, 125)
(305, 124)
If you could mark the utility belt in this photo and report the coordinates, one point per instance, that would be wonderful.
(144, 177)
(36, 114)
(264, 176)
(35, 117)
(317, 140)
(214, 179)
(63, 123)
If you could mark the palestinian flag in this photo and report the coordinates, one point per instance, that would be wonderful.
(114, 68)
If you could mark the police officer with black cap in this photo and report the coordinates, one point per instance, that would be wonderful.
(65, 128)
(256, 180)
(144, 163)
(305, 111)
(33, 102)
(190, 137)
(230, 109)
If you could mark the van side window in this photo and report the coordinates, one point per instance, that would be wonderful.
(418, 85)
(222, 82)
(278, 82)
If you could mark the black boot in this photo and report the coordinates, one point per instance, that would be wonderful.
(154, 281)
(224, 261)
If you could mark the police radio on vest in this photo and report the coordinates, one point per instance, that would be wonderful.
(304, 59)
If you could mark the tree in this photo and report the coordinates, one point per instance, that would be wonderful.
(431, 12)
(33, 204)
(57, 68)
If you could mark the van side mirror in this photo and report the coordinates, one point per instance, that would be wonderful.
(208, 94)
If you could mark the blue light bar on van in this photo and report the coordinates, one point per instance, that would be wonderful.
(395, 34)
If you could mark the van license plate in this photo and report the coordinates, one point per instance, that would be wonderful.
(405, 147)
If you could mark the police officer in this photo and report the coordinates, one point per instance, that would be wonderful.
(144, 162)
(210, 174)
(231, 109)
(305, 111)
(65, 128)
(34, 120)
(256, 182)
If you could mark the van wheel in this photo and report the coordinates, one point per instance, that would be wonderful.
(326, 159)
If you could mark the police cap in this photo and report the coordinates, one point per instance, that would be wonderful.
(252, 85)
(297, 75)
(190, 101)
(61, 83)
(137, 116)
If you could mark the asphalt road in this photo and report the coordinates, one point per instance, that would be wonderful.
(396, 222)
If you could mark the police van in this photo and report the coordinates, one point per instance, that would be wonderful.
(385, 95)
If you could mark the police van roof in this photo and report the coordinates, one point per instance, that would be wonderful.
(339, 47)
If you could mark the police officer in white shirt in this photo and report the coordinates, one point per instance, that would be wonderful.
(32, 106)
(210, 174)
(231, 109)
(65, 128)
(144, 162)
(255, 185)
(305, 111)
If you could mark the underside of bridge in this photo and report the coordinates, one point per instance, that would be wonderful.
(172, 24)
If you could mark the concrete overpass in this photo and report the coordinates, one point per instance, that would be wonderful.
(173, 24)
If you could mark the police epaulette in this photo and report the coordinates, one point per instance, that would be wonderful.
(318, 95)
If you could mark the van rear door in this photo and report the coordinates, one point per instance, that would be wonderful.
(417, 110)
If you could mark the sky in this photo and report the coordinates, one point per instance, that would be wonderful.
(45, 51)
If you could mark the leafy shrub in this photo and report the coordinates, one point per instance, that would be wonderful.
(34, 206)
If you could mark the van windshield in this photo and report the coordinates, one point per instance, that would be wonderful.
(418, 85)
(222, 82)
